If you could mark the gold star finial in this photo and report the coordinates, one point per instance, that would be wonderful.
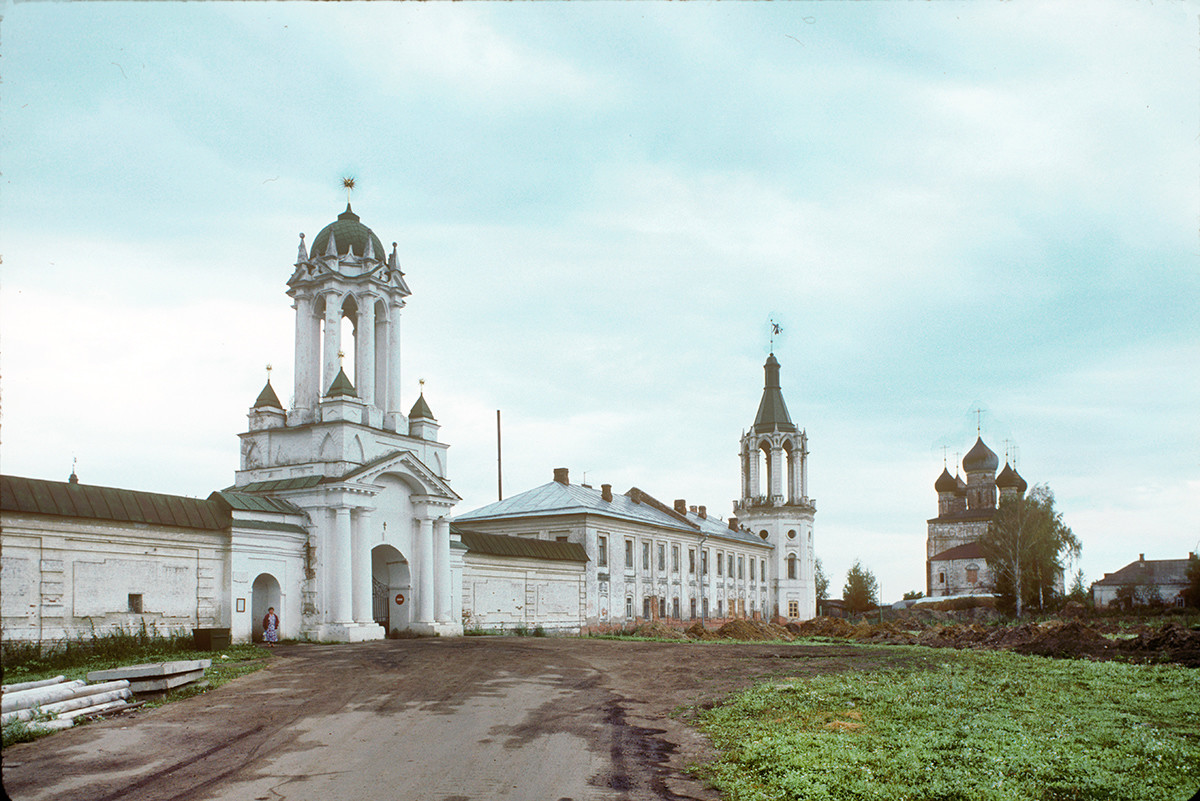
(269, 372)
(341, 355)
(422, 383)
(348, 185)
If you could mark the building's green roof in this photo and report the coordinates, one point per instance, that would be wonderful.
(420, 410)
(267, 398)
(772, 411)
(341, 386)
(980, 458)
(278, 484)
(347, 231)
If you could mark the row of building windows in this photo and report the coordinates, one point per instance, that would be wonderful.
(736, 607)
(735, 564)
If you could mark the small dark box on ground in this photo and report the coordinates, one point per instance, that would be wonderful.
(212, 639)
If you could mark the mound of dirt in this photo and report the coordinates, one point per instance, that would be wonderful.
(697, 631)
(659, 631)
(1173, 641)
(1069, 639)
(743, 630)
(823, 627)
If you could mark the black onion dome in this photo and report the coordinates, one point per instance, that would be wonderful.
(1008, 478)
(348, 232)
(980, 457)
(945, 482)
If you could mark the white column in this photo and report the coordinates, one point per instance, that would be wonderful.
(364, 351)
(752, 484)
(361, 566)
(776, 458)
(305, 397)
(426, 590)
(394, 362)
(341, 586)
(441, 568)
(382, 362)
(333, 342)
(804, 467)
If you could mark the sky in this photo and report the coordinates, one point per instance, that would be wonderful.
(599, 207)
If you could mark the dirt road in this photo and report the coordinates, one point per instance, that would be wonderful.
(438, 719)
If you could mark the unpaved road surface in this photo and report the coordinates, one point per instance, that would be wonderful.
(438, 719)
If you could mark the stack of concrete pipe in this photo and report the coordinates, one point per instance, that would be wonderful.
(57, 702)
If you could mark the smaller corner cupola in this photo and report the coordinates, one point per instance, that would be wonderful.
(980, 458)
(1010, 479)
(420, 410)
(267, 399)
(772, 411)
(946, 482)
(341, 386)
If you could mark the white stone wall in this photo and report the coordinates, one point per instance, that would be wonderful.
(949, 577)
(502, 592)
(62, 576)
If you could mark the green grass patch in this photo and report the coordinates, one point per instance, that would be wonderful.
(964, 725)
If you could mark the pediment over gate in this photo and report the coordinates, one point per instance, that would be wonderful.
(404, 463)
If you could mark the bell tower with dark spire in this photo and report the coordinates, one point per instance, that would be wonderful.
(774, 502)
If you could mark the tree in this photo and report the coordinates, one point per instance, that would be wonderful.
(913, 595)
(862, 590)
(822, 582)
(1025, 545)
(1079, 591)
(1191, 595)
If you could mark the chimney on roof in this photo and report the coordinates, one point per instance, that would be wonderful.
(703, 512)
(560, 475)
(606, 491)
(1191, 555)
(692, 509)
(1141, 557)
(681, 505)
(733, 524)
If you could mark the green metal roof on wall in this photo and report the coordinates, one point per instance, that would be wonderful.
(249, 502)
(347, 231)
(61, 499)
(521, 547)
(278, 484)
(341, 386)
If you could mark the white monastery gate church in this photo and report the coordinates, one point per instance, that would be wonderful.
(339, 515)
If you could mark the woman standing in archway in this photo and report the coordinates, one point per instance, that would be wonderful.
(271, 627)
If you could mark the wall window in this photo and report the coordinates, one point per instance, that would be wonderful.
(704, 566)
(602, 551)
(762, 569)
(972, 574)
(752, 570)
(662, 558)
(720, 563)
(675, 560)
(741, 567)
(704, 606)
(675, 608)
(693, 608)
(135, 602)
(646, 608)
(629, 554)
(720, 608)
(662, 607)
(941, 578)
(629, 607)
(692, 563)
(793, 609)
(791, 565)
(563, 538)
(646, 556)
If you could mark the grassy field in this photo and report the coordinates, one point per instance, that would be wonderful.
(964, 725)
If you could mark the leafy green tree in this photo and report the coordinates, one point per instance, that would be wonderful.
(822, 582)
(913, 595)
(1079, 590)
(862, 590)
(1025, 545)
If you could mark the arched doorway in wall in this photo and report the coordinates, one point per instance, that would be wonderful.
(391, 589)
(264, 594)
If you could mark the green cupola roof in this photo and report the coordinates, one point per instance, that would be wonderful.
(341, 386)
(980, 458)
(348, 232)
(267, 398)
(772, 411)
(420, 410)
(945, 482)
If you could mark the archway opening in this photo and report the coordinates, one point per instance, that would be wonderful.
(391, 589)
(264, 593)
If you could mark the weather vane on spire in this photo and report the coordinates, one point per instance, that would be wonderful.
(978, 420)
(422, 383)
(348, 185)
(776, 329)
(268, 372)
(341, 355)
